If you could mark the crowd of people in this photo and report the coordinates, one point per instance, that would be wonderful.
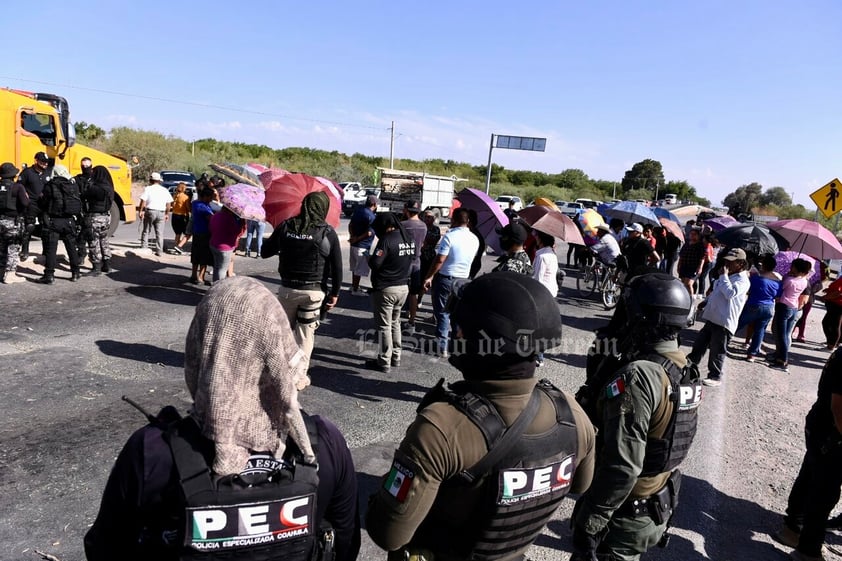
(248, 471)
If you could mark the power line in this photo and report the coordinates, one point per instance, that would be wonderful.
(196, 104)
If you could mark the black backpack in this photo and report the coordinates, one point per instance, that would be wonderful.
(8, 200)
(65, 198)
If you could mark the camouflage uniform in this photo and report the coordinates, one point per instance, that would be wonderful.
(100, 248)
(518, 262)
(10, 231)
(13, 204)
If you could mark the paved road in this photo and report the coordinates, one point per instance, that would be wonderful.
(70, 351)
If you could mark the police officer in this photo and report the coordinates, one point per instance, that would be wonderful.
(247, 475)
(98, 195)
(644, 404)
(33, 180)
(60, 222)
(83, 181)
(816, 489)
(492, 448)
(304, 245)
(13, 204)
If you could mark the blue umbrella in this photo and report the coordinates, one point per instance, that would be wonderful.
(664, 213)
(604, 207)
(629, 211)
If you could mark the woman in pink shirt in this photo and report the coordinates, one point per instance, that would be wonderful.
(226, 229)
(786, 309)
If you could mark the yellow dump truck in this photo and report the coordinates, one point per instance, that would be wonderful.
(39, 122)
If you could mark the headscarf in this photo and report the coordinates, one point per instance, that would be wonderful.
(314, 209)
(243, 369)
(101, 176)
(61, 171)
(385, 220)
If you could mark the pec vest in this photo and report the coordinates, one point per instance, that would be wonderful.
(8, 200)
(520, 492)
(65, 200)
(266, 512)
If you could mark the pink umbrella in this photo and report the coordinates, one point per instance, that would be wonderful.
(244, 200)
(553, 222)
(784, 261)
(489, 215)
(809, 237)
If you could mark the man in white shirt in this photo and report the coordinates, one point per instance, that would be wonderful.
(155, 206)
(721, 315)
(454, 255)
(607, 248)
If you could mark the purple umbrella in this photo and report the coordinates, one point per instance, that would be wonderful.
(784, 261)
(721, 222)
(489, 216)
(244, 200)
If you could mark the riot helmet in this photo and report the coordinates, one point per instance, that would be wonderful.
(657, 299)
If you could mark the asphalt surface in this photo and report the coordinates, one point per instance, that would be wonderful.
(71, 350)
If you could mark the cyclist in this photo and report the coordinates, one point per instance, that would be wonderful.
(606, 248)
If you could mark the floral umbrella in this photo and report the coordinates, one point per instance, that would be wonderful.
(589, 220)
(784, 261)
(244, 200)
(721, 222)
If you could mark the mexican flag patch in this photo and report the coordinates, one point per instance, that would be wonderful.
(399, 481)
(615, 388)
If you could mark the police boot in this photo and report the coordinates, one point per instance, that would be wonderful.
(11, 277)
(24, 249)
(96, 270)
(75, 275)
(48, 278)
(106, 268)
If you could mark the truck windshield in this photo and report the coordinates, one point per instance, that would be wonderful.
(41, 125)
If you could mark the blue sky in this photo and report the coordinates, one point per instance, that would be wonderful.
(721, 93)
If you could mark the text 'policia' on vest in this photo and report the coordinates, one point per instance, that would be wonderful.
(303, 261)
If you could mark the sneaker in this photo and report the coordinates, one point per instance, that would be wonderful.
(396, 363)
(787, 536)
(712, 382)
(177, 250)
(12, 278)
(374, 364)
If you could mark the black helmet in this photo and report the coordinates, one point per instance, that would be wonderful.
(507, 312)
(658, 299)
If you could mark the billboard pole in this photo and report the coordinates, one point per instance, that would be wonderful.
(488, 173)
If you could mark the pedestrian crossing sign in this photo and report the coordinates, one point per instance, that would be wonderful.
(829, 198)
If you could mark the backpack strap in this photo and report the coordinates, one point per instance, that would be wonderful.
(194, 474)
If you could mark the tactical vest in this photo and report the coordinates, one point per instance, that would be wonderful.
(8, 200)
(247, 516)
(65, 200)
(520, 491)
(98, 198)
(303, 255)
(666, 453)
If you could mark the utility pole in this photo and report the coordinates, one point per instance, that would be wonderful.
(392, 148)
(488, 173)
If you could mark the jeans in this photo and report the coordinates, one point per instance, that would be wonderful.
(302, 308)
(153, 219)
(785, 318)
(759, 316)
(256, 228)
(387, 304)
(715, 338)
(221, 260)
(442, 287)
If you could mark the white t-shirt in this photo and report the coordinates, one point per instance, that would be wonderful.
(460, 246)
(607, 249)
(545, 268)
(156, 196)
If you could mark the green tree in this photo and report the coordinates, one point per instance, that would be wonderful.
(647, 174)
(775, 196)
(88, 133)
(745, 198)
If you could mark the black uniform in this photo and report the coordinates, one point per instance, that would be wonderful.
(33, 180)
(58, 225)
(142, 504)
(83, 181)
(391, 260)
(302, 259)
(816, 489)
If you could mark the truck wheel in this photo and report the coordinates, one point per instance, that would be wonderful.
(115, 219)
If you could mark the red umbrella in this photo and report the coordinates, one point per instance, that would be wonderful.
(285, 191)
(806, 236)
(552, 222)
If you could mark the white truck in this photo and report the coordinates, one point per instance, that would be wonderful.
(434, 192)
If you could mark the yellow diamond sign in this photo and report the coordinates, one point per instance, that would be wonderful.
(829, 198)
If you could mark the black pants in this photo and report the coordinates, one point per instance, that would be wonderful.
(813, 496)
(63, 229)
(830, 323)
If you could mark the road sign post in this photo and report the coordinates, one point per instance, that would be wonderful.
(512, 143)
(827, 198)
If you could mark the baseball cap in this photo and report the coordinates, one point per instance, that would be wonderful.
(412, 206)
(635, 228)
(370, 200)
(8, 170)
(41, 157)
(734, 254)
(155, 176)
(515, 232)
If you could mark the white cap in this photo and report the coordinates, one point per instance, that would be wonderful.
(635, 228)
(156, 176)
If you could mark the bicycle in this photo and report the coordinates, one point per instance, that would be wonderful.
(607, 278)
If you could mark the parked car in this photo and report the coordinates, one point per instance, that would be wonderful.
(171, 179)
(571, 209)
(503, 201)
(356, 198)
